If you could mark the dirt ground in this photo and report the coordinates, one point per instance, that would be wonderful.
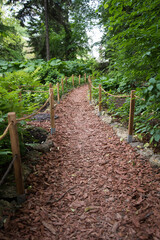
(89, 186)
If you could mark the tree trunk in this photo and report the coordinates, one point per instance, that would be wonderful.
(47, 29)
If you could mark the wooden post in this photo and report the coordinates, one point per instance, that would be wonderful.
(131, 117)
(62, 86)
(16, 151)
(52, 110)
(88, 80)
(58, 98)
(85, 77)
(73, 80)
(100, 99)
(90, 89)
(79, 79)
(90, 95)
(20, 94)
(66, 81)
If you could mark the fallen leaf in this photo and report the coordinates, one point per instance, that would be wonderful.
(115, 227)
(49, 227)
(139, 189)
(135, 221)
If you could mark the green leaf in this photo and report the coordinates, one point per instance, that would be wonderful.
(152, 80)
(105, 5)
(5, 153)
(158, 86)
(151, 140)
(157, 137)
(150, 88)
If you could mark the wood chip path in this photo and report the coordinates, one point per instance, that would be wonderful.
(89, 186)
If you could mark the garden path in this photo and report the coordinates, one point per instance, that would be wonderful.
(90, 185)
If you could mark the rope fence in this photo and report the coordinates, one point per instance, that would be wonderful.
(132, 96)
(34, 91)
(5, 131)
(139, 98)
(33, 114)
(12, 129)
(116, 96)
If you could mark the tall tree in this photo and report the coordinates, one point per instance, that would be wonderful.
(47, 29)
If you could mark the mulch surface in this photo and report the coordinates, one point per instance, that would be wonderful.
(90, 185)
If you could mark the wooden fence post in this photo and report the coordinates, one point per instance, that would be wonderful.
(100, 99)
(66, 81)
(90, 89)
(131, 116)
(52, 109)
(16, 151)
(73, 80)
(79, 79)
(58, 98)
(20, 94)
(62, 85)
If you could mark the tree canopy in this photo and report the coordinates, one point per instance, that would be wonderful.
(67, 21)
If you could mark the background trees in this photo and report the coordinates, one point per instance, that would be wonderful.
(11, 44)
(67, 21)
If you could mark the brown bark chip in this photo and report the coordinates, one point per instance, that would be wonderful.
(89, 186)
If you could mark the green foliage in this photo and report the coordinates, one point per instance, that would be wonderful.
(132, 35)
(27, 66)
(131, 44)
(55, 69)
(18, 77)
(11, 44)
(147, 108)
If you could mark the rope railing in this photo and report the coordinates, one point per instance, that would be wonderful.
(5, 131)
(116, 96)
(132, 105)
(34, 91)
(12, 128)
(139, 98)
(7, 171)
(33, 114)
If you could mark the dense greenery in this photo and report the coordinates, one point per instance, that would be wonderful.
(131, 44)
(16, 81)
(132, 40)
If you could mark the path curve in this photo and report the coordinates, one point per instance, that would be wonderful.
(90, 185)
